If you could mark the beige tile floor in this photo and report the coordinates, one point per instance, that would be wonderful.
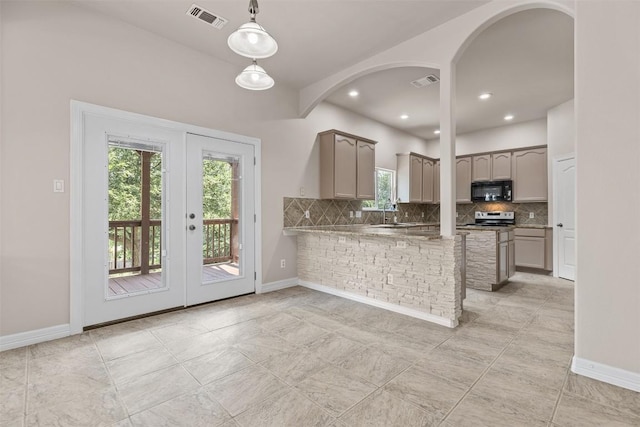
(302, 358)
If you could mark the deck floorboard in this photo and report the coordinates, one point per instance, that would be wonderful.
(135, 283)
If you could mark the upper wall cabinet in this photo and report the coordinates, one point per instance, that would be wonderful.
(366, 170)
(463, 179)
(529, 169)
(347, 166)
(500, 166)
(492, 167)
(415, 178)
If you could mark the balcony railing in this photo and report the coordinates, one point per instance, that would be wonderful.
(125, 244)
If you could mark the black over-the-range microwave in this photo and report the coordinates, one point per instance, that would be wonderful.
(491, 191)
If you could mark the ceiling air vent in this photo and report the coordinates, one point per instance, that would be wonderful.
(426, 81)
(214, 20)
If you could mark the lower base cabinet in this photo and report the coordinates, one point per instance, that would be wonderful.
(533, 248)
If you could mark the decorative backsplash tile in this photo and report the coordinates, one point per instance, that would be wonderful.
(466, 211)
(337, 212)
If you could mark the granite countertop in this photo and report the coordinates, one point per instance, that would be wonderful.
(411, 229)
(388, 230)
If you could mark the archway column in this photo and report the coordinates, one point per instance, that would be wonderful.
(447, 149)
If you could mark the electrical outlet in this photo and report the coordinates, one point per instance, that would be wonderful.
(283, 263)
(456, 214)
(532, 215)
(307, 214)
(350, 214)
(422, 214)
(342, 239)
(390, 279)
(406, 214)
(358, 214)
(401, 245)
(301, 191)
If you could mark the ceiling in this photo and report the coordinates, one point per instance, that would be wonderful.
(526, 59)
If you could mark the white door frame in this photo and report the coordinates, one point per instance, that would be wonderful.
(79, 110)
(554, 174)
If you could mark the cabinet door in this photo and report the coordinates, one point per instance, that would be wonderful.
(529, 169)
(482, 168)
(415, 179)
(436, 182)
(500, 166)
(530, 252)
(503, 262)
(512, 258)
(427, 181)
(463, 180)
(345, 167)
(366, 169)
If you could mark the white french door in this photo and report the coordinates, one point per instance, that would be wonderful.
(220, 219)
(565, 216)
(156, 233)
(112, 247)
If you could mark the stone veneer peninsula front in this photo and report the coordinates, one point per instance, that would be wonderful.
(409, 271)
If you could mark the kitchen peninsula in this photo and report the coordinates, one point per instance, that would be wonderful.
(407, 270)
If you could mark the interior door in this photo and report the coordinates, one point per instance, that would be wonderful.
(565, 227)
(132, 258)
(220, 219)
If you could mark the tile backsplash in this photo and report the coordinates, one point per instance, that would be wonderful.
(337, 212)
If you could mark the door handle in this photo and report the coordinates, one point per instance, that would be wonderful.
(192, 227)
(559, 224)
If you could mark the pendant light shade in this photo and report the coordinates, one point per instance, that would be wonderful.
(254, 77)
(251, 39)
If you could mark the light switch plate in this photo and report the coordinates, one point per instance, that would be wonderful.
(58, 186)
(532, 215)
(307, 214)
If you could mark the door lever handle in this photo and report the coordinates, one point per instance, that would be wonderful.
(192, 227)
(559, 224)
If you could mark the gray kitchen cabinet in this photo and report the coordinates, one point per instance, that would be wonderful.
(533, 247)
(366, 170)
(492, 167)
(427, 180)
(481, 168)
(529, 169)
(500, 166)
(347, 166)
(490, 258)
(436, 182)
(415, 176)
(463, 180)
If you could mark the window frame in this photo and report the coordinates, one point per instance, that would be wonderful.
(376, 206)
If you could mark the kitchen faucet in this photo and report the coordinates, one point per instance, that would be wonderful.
(384, 211)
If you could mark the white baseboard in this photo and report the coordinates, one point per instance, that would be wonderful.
(277, 285)
(606, 373)
(22, 339)
(382, 304)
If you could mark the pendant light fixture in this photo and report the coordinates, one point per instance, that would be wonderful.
(251, 39)
(254, 77)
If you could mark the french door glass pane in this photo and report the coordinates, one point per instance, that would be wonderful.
(220, 199)
(135, 218)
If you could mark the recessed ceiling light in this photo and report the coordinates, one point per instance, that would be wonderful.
(353, 93)
(508, 117)
(437, 131)
(404, 116)
(485, 96)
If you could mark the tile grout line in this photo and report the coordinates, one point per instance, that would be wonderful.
(560, 394)
(483, 374)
